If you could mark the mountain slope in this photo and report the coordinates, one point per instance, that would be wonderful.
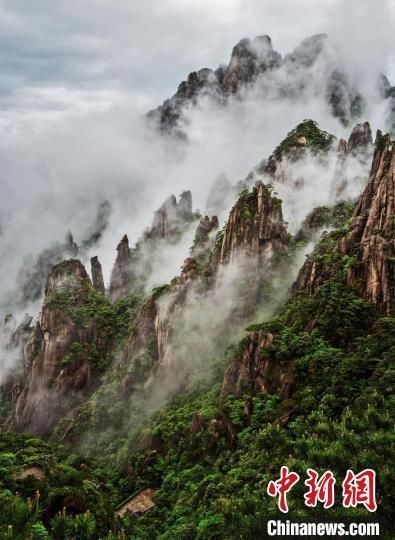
(166, 390)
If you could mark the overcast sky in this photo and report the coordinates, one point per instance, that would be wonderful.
(70, 57)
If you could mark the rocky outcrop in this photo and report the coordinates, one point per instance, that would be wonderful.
(312, 274)
(253, 237)
(306, 137)
(66, 275)
(370, 243)
(358, 149)
(249, 59)
(206, 227)
(254, 371)
(122, 274)
(360, 140)
(97, 275)
(56, 354)
(14, 336)
(372, 234)
(100, 224)
(31, 277)
(255, 230)
(143, 333)
(134, 265)
(154, 327)
(171, 216)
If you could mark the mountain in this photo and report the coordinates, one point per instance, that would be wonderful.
(273, 346)
(312, 69)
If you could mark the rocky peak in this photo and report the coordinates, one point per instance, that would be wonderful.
(308, 51)
(204, 229)
(67, 274)
(189, 272)
(249, 59)
(34, 271)
(97, 275)
(255, 228)
(372, 232)
(122, 274)
(360, 139)
(306, 136)
(9, 325)
(57, 353)
(197, 81)
(370, 242)
(358, 147)
(134, 265)
(100, 224)
(171, 215)
(13, 336)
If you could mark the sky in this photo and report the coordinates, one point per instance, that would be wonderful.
(76, 77)
(61, 58)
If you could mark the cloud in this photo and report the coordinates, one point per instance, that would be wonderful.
(148, 48)
(76, 78)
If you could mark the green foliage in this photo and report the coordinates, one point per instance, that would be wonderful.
(316, 139)
(209, 457)
(160, 291)
(73, 500)
(87, 308)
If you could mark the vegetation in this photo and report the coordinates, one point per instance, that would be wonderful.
(316, 139)
(74, 500)
(210, 457)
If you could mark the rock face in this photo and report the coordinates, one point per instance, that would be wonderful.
(358, 149)
(360, 139)
(205, 228)
(372, 233)
(171, 216)
(122, 274)
(66, 275)
(249, 59)
(254, 236)
(370, 243)
(154, 326)
(56, 357)
(134, 265)
(31, 277)
(253, 370)
(255, 230)
(97, 275)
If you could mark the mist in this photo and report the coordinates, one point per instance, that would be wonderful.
(65, 149)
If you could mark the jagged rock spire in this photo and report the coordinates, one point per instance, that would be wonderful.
(97, 275)
(170, 215)
(249, 58)
(360, 139)
(371, 240)
(373, 231)
(121, 275)
(255, 226)
(205, 227)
